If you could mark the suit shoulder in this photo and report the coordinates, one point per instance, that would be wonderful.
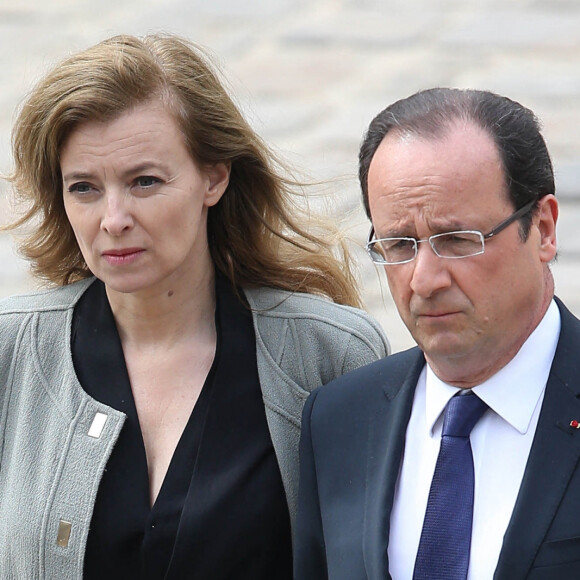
(388, 372)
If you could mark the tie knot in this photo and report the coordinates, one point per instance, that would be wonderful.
(461, 415)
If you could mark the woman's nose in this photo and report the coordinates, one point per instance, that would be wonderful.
(117, 217)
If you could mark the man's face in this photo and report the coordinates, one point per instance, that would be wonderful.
(471, 315)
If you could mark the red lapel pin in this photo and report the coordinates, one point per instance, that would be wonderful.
(574, 424)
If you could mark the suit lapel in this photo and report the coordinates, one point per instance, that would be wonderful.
(386, 442)
(553, 457)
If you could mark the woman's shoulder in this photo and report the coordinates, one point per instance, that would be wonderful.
(43, 313)
(53, 299)
(282, 303)
(315, 313)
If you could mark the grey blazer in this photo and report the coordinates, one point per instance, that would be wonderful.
(55, 440)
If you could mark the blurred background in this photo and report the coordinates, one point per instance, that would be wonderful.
(311, 74)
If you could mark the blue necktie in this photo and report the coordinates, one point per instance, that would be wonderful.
(443, 552)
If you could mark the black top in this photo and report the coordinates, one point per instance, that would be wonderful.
(221, 512)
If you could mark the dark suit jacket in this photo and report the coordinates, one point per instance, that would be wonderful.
(353, 433)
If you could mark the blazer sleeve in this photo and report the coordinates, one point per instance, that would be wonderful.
(309, 548)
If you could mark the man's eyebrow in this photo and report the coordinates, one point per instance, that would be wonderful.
(435, 228)
(450, 226)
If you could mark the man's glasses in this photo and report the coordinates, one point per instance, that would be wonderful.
(459, 244)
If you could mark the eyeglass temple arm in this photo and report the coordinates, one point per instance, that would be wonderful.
(512, 218)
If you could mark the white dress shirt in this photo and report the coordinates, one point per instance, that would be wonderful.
(500, 441)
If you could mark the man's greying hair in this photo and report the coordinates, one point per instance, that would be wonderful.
(514, 129)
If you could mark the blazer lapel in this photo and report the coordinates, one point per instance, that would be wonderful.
(553, 457)
(385, 450)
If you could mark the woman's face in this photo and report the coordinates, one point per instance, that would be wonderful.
(137, 201)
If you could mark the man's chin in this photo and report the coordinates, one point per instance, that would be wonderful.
(447, 345)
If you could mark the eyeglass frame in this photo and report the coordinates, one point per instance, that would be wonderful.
(493, 232)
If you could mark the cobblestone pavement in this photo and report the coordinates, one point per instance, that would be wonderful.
(311, 74)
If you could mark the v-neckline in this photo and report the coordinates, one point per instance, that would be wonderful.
(235, 470)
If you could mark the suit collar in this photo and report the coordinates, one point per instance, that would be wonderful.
(553, 457)
(385, 450)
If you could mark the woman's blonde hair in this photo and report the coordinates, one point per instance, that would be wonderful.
(254, 239)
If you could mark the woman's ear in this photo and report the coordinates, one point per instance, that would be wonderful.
(218, 178)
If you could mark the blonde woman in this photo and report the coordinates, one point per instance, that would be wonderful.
(151, 401)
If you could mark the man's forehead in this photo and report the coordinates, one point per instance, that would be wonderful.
(466, 132)
(407, 220)
(445, 182)
(405, 162)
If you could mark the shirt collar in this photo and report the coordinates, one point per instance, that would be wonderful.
(514, 391)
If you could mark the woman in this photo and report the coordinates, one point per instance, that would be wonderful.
(151, 402)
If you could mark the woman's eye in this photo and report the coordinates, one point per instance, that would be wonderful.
(81, 188)
(146, 181)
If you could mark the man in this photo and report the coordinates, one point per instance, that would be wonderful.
(460, 190)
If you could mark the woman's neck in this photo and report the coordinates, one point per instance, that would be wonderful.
(168, 316)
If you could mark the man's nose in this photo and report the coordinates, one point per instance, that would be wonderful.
(430, 272)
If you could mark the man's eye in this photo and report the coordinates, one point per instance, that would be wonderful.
(460, 238)
(397, 244)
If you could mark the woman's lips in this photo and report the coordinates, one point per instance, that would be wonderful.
(122, 256)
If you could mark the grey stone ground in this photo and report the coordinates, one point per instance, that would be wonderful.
(311, 74)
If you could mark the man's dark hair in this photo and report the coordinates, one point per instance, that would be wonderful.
(514, 129)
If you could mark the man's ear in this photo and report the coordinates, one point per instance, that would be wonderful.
(218, 177)
(545, 219)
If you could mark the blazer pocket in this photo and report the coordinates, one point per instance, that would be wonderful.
(558, 552)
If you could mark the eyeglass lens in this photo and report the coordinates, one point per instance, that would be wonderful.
(447, 245)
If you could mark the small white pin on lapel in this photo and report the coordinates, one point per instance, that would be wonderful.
(97, 425)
